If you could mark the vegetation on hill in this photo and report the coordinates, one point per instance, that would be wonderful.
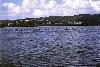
(81, 19)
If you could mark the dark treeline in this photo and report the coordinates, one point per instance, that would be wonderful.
(89, 20)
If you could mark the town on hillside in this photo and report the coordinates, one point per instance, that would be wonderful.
(77, 20)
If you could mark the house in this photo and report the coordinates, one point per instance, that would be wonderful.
(79, 22)
(70, 22)
(27, 20)
(16, 22)
(75, 22)
(49, 23)
(9, 24)
(20, 20)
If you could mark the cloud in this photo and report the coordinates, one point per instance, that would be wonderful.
(43, 8)
(38, 12)
(51, 4)
(9, 5)
(96, 6)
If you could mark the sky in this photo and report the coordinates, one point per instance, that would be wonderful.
(21, 9)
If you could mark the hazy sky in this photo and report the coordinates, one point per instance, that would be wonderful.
(18, 9)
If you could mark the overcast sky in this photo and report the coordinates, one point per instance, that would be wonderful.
(19, 9)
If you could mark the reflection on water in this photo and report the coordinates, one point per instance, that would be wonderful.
(50, 45)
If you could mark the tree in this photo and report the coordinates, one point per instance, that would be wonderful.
(90, 20)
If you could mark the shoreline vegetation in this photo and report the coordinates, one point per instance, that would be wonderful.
(2, 26)
(76, 20)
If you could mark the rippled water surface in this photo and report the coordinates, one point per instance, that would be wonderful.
(50, 46)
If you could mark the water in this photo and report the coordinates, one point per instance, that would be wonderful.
(50, 46)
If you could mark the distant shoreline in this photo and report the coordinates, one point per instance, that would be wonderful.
(50, 25)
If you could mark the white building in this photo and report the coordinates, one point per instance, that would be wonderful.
(10, 24)
(80, 22)
(49, 23)
(27, 20)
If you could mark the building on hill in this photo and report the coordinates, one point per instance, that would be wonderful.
(10, 24)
